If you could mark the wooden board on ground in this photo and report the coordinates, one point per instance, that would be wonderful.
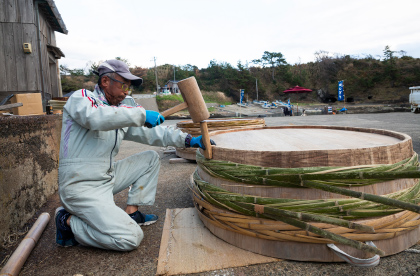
(188, 247)
(187, 153)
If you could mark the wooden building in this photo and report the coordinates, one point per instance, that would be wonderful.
(28, 51)
(173, 86)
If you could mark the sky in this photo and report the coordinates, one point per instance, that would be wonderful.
(197, 31)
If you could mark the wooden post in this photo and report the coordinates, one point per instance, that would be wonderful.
(206, 140)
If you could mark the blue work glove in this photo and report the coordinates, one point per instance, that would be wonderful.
(153, 119)
(197, 142)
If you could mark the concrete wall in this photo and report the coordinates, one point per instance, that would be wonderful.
(29, 153)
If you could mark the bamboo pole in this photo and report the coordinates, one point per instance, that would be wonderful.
(364, 196)
(310, 217)
(18, 258)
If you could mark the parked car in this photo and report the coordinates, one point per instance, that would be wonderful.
(129, 101)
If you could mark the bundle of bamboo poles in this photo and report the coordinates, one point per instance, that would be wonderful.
(313, 221)
(215, 125)
(221, 124)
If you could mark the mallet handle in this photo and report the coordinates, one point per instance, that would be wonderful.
(174, 109)
(206, 140)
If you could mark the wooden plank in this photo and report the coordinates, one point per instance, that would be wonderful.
(32, 60)
(46, 69)
(3, 5)
(53, 79)
(52, 38)
(11, 11)
(188, 247)
(8, 106)
(187, 153)
(26, 9)
(10, 57)
(44, 27)
(20, 57)
(44, 62)
(3, 79)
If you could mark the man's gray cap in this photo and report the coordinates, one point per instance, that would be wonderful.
(119, 67)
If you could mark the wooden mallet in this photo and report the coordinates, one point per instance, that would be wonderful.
(193, 100)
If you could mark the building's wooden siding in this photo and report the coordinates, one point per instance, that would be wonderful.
(20, 72)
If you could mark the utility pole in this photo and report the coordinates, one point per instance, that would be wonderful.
(256, 87)
(157, 85)
(174, 73)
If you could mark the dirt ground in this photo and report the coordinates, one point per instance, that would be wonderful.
(49, 259)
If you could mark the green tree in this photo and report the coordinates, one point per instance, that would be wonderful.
(65, 70)
(390, 65)
(94, 67)
(271, 59)
(123, 60)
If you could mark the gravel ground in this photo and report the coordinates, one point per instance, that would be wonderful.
(49, 259)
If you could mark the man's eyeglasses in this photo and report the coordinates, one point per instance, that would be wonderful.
(124, 86)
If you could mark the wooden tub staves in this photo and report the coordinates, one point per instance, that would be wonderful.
(215, 125)
(287, 192)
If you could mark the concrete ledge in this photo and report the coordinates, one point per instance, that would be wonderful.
(29, 147)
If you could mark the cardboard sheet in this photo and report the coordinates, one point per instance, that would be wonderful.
(188, 247)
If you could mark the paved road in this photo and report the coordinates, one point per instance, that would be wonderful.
(405, 122)
(48, 259)
(147, 101)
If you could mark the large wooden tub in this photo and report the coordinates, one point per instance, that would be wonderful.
(309, 146)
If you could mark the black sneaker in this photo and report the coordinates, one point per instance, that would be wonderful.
(143, 219)
(64, 235)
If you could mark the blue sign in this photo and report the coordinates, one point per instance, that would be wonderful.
(242, 95)
(341, 91)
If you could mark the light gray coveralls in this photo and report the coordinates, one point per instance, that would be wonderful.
(91, 135)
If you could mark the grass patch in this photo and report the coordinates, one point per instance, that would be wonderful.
(216, 97)
(172, 97)
(166, 102)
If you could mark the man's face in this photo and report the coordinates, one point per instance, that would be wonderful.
(115, 91)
